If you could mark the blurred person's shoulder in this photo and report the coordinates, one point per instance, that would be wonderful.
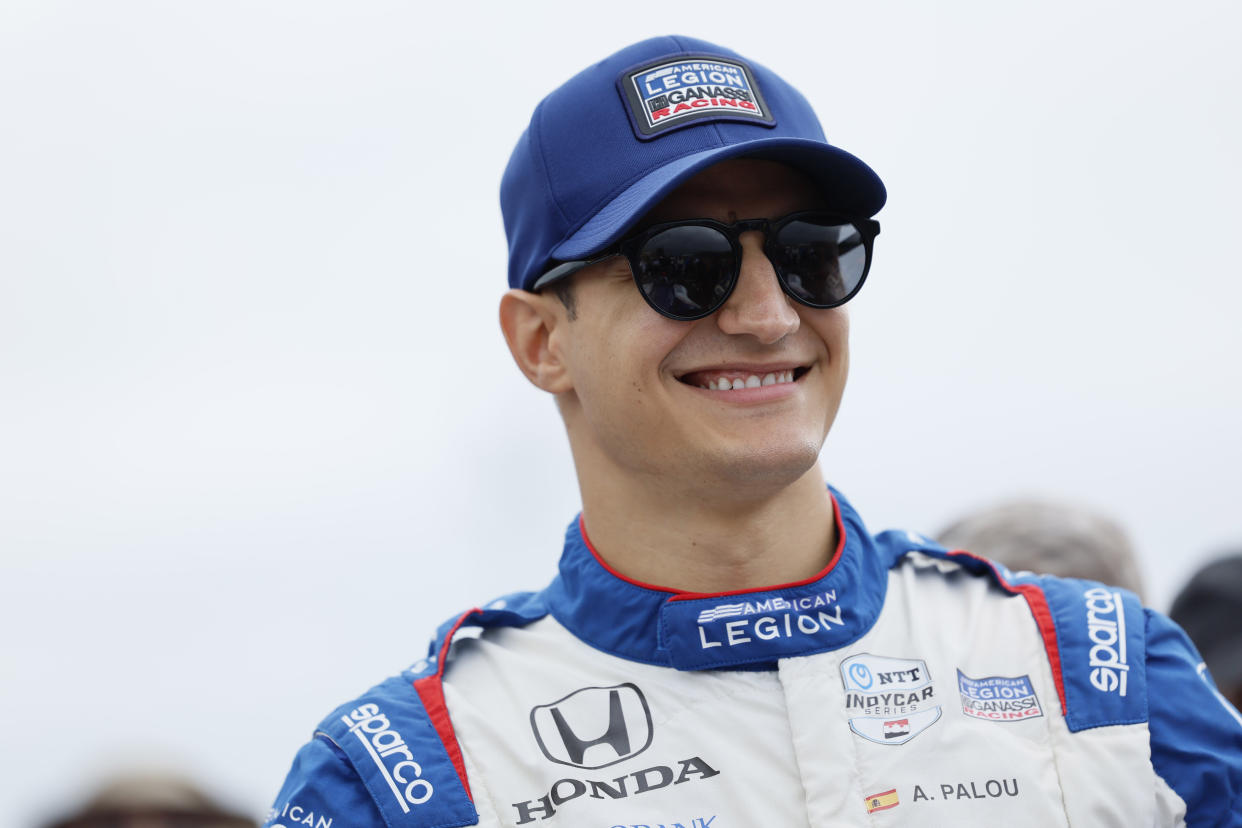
(1209, 609)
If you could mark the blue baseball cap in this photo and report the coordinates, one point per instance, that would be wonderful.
(616, 138)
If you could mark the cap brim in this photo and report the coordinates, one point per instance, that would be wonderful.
(847, 183)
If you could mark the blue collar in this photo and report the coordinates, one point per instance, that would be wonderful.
(749, 628)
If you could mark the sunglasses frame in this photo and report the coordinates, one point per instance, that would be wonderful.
(630, 247)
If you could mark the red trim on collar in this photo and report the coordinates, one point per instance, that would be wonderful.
(682, 595)
(430, 691)
(599, 559)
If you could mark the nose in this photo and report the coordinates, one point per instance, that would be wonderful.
(758, 306)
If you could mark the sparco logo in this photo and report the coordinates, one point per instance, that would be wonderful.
(1106, 627)
(609, 724)
(386, 746)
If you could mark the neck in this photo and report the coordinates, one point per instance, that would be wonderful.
(710, 542)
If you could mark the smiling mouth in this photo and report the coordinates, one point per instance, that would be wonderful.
(734, 380)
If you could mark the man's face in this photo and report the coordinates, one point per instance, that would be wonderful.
(638, 404)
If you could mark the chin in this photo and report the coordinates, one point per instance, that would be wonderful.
(769, 467)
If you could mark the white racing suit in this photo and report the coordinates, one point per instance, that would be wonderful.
(903, 685)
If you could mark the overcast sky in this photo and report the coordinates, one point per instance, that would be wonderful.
(258, 430)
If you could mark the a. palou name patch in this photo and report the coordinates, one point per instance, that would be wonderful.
(675, 92)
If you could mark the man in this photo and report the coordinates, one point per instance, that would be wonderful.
(682, 240)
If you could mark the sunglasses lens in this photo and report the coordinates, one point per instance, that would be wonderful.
(685, 272)
(821, 261)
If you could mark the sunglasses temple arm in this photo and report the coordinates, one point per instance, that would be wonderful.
(562, 271)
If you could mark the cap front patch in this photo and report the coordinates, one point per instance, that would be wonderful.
(675, 92)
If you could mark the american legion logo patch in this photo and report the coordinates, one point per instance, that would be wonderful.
(675, 92)
(998, 698)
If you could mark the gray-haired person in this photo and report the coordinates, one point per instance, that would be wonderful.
(1052, 538)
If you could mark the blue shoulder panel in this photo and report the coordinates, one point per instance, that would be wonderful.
(388, 737)
(1101, 636)
(894, 544)
(517, 609)
(322, 790)
(389, 758)
(1196, 736)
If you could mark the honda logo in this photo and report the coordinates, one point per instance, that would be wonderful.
(593, 727)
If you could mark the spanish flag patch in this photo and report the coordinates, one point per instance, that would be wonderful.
(881, 801)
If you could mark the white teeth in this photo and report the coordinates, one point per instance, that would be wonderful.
(751, 381)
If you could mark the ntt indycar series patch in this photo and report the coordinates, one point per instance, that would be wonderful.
(889, 700)
(675, 92)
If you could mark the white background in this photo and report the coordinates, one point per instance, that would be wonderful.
(258, 429)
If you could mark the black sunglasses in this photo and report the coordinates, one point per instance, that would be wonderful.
(687, 269)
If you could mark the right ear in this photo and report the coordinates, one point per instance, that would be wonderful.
(531, 323)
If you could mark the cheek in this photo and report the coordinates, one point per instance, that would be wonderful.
(620, 353)
(833, 328)
(636, 341)
(842, 329)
